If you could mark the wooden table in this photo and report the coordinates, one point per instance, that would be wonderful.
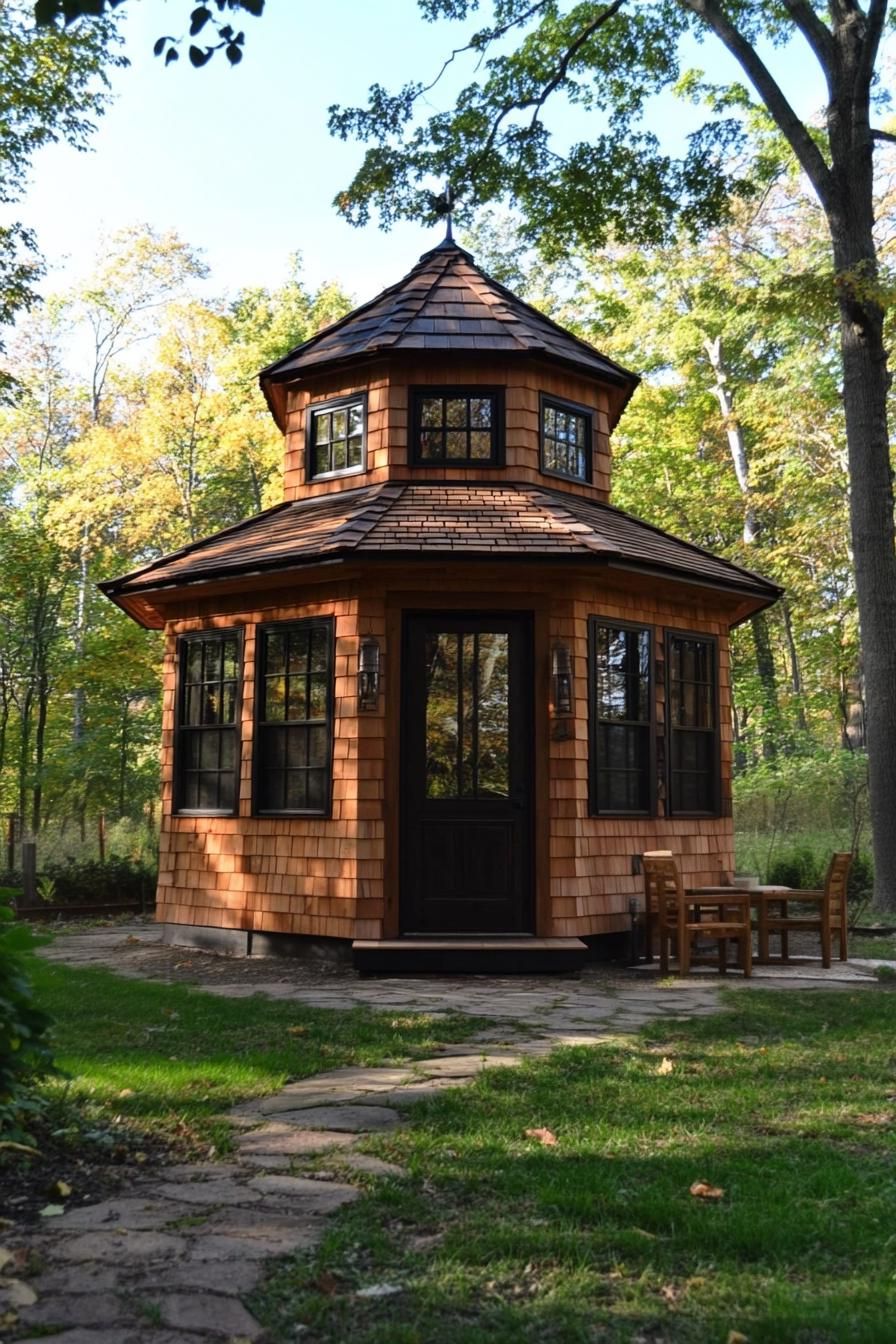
(762, 897)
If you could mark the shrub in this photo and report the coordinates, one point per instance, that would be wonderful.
(94, 883)
(24, 1050)
(797, 867)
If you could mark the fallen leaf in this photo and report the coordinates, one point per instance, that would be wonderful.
(326, 1283)
(8, 1146)
(62, 1189)
(140, 1158)
(875, 1118)
(379, 1290)
(543, 1136)
(669, 1293)
(126, 1092)
(703, 1190)
(735, 1337)
(297, 1031)
(665, 1066)
(52, 1211)
(19, 1294)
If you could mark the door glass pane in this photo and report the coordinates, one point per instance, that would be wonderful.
(492, 758)
(440, 660)
(467, 715)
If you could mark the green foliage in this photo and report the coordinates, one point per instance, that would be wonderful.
(89, 882)
(25, 1054)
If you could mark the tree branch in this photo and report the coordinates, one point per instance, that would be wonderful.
(481, 41)
(874, 27)
(888, 136)
(792, 128)
(817, 34)
(538, 101)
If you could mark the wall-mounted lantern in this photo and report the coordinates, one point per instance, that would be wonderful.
(368, 674)
(561, 689)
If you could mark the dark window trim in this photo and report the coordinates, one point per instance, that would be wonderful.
(712, 640)
(334, 404)
(416, 393)
(560, 403)
(183, 641)
(594, 808)
(321, 622)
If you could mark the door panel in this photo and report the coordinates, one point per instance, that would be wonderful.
(466, 775)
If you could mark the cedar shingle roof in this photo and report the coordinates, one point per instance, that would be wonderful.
(447, 303)
(416, 520)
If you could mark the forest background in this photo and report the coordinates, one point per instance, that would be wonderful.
(159, 435)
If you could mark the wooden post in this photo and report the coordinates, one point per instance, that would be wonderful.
(29, 872)
(101, 835)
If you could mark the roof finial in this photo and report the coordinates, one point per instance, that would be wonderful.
(449, 209)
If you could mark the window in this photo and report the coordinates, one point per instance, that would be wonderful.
(565, 440)
(294, 719)
(336, 437)
(692, 724)
(622, 774)
(206, 754)
(456, 426)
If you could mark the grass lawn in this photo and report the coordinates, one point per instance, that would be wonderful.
(786, 1101)
(879, 949)
(169, 1059)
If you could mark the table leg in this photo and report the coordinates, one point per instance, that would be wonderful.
(763, 931)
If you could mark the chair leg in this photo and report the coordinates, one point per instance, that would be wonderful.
(648, 936)
(684, 953)
(723, 955)
(746, 944)
(843, 956)
(763, 931)
(826, 944)
(785, 949)
(664, 951)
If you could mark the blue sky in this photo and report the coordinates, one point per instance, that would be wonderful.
(239, 160)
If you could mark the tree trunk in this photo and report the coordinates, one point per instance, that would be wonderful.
(40, 734)
(734, 434)
(796, 675)
(765, 665)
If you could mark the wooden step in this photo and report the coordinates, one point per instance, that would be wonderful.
(469, 956)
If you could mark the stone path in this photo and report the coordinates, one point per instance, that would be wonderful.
(172, 1259)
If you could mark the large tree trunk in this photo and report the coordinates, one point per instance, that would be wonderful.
(765, 665)
(865, 386)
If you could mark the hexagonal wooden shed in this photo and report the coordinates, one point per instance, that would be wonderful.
(437, 701)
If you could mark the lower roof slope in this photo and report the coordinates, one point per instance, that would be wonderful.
(412, 520)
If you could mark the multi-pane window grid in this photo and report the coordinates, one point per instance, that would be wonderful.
(293, 733)
(622, 700)
(692, 724)
(456, 427)
(207, 726)
(565, 436)
(337, 439)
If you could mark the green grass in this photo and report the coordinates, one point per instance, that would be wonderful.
(786, 1101)
(880, 949)
(169, 1059)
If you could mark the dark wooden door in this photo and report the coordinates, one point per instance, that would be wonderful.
(466, 779)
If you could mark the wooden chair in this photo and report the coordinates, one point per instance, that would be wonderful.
(679, 916)
(652, 899)
(829, 919)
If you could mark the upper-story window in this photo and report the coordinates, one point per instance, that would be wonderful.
(206, 755)
(566, 435)
(336, 437)
(456, 426)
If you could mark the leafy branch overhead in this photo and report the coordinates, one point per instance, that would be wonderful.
(202, 24)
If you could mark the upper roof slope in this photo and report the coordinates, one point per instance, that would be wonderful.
(446, 303)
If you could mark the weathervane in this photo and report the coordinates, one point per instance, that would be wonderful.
(444, 205)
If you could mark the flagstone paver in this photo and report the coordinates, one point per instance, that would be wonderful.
(168, 1262)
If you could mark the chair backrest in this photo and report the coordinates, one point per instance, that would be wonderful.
(835, 883)
(662, 882)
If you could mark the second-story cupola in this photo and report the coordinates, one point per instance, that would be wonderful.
(446, 373)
